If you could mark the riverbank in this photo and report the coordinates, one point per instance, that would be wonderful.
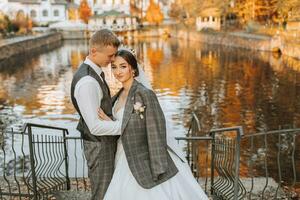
(243, 40)
(11, 50)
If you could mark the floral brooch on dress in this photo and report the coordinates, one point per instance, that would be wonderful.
(139, 109)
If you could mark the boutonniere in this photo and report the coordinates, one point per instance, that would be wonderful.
(139, 109)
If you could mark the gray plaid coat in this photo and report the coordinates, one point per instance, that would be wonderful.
(144, 138)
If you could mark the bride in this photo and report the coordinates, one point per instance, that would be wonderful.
(146, 168)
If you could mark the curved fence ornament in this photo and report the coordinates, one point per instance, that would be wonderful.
(35, 162)
(266, 156)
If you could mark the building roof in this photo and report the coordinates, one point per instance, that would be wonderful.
(59, 2)
(73, 5)
(25, 1)
(111, 13)
(38, 1)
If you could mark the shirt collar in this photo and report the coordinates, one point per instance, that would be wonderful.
(95, 67)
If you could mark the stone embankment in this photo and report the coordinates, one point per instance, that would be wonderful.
(23, 46)
(243, 40)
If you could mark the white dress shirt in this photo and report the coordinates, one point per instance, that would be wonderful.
(88, 95)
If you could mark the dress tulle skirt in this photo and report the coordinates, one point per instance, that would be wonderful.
(182, 186)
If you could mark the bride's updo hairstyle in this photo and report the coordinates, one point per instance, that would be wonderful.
(130, 59)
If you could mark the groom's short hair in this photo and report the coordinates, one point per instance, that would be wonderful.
(103, 38)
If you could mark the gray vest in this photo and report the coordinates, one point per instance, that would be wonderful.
(106, 103)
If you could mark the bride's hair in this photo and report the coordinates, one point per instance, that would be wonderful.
(130, 59)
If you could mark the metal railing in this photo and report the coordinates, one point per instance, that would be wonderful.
(271, 160)
(41, 160)
(226, 162)
(221, 150)
(231, 165)
(34, 163)
(78, 167)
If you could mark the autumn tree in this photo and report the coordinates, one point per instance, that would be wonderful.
(22, 22)
(187, 10)
(72, 14)
(263, 11)
(252, 10)
(177, 12)
(286, 10)
(134, 9)
(154, 14)
(85, 11)
(137, 8)
(3, 23)
(245, 10)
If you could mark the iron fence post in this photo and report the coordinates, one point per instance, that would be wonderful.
(32, 163)
(237, 162)
(66, 160)
(212, 168)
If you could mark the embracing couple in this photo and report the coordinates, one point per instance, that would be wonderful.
(125, 137)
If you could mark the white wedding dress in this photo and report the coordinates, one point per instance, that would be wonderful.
(123, 186)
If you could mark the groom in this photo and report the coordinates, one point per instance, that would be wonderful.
(89, 91)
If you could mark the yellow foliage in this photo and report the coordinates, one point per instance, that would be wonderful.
(29, 24)
(154, 14)
(21, 20)
(73, 14)
(3, 22)
(85, 11)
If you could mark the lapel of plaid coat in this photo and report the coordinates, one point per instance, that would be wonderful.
(129, 105)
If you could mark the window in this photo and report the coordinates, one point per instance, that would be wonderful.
(45, 13)
(56, 13)
(104, 21)
(32, 13)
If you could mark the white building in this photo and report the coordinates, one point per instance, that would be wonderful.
(209, 18)
(100, 6)
(111, 14)
(40, 11)
(114, 20)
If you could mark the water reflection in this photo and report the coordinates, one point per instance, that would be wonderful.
(225, 86)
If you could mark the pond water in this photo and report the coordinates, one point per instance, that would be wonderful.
(224, 86)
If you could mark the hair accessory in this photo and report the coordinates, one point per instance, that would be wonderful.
(126, 48)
